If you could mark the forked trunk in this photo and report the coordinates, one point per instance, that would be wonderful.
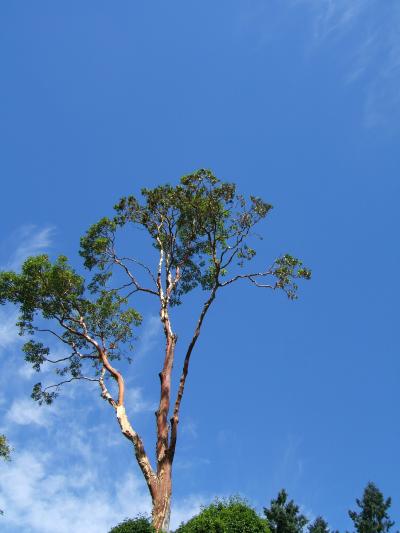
(161, 511)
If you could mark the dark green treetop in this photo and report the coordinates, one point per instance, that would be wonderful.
(319, 525)
(284, 516)
(373, 515)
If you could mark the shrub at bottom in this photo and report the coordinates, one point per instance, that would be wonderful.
(226, 516)
(140, 524)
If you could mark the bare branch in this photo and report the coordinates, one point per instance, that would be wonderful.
(160, 264)
(58, 385)
(250, 277)
(144, 266)
(119, 262)
(104, 391)
(263, 285)
(53, 333)
(71, 344)
(128, 431)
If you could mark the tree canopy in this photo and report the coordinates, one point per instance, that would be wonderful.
(284, 516)
(373, 516)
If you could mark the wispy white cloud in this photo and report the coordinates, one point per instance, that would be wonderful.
(371, 30)
(333, 16)
(136, 403)
(37, 493)
(290, 468)
(184, 510)
(26, 372)
(189, 428)
(8, 331)
(190, 464)
(150, 335)
(28, 240)
(25, 411)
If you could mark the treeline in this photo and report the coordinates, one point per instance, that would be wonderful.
(282, 516)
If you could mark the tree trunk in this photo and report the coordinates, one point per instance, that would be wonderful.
(161, 511)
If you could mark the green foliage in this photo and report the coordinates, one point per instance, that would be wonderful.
(5, 449)
(318, 526)
(373, 516)
(284, 516)
(5, 453)
(201, 229)
(202, 225)
(6, 284)
(229, 516)
(140, 524)
(56, 294)
(286, 270)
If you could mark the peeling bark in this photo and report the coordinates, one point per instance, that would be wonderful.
(161, 511)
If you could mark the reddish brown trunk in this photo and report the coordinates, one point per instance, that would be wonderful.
(161, 496)
(161, 500)
(165, 399)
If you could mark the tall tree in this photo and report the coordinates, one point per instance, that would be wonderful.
(284, 516)
(200, 231)
(373, 514)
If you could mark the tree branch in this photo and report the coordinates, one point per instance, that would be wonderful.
(175, 418)
(251, 278)
(57, 385)
(138, 287)
(145, 267)
(128, 431)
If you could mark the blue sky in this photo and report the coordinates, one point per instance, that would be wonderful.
(297, 102)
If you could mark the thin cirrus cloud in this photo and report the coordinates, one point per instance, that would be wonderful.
(30, 240)
(370, 29)
(150, 336)
(136, 403)
(8, 331)
(24, 411)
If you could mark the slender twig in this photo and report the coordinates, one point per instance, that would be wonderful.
(248, 276)
(58, 385)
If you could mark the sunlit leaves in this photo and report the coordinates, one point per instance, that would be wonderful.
(52, 300)
(5, 448)
(42, 396)
(35, 353)
(202, 225)
(286, 270)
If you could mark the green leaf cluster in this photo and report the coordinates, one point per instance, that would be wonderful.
(140, 524)
(52, 299)
(196, 223)
(202, 226)
(5, 448)
(287, 269)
